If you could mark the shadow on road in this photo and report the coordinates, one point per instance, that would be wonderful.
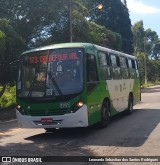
(124, 131)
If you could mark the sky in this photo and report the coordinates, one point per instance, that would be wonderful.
(146, 10)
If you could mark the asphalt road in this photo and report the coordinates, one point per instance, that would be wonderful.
(134, 135)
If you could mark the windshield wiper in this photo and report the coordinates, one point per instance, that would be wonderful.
(55, 83)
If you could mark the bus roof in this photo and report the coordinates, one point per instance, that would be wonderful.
(114, 51)
(58, 46)
(77, 44)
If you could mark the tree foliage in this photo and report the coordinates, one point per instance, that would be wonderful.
(115, 17)
(138, 36)
(147, 45)
(31, 23)
(153, 43)
(47, 21)
(10, 47)
(2, 45)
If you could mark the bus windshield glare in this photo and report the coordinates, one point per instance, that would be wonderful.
(51, 73)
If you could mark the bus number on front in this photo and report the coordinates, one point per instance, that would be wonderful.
(65, 105)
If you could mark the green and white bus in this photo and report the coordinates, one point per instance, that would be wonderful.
(75, 85)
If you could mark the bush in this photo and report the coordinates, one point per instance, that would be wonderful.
(3, 101)
(9, 98)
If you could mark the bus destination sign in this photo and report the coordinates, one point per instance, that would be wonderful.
(52, 58)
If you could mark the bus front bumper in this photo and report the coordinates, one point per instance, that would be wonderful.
(77, 119)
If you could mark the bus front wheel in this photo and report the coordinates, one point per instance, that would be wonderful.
(105, 119)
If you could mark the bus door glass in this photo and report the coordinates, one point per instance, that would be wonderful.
(92, 74)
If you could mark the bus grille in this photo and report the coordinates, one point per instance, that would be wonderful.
(50, 112)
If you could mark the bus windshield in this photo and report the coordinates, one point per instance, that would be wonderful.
(51, 73)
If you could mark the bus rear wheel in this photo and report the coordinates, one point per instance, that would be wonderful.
(130, 105)
(105, 119)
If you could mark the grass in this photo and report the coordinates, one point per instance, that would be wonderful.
(8, 99)
(150, 84)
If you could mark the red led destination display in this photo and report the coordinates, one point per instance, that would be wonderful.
(52, 58)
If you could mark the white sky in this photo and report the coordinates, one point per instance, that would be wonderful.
(146, 10)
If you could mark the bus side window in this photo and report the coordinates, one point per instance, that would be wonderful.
(132, 68)
(104, 65)
(92, 75)
(116, 73)
(133, 64)
(124, 67)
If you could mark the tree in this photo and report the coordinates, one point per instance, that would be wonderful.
(115, 17)
(138, 36)
(83, 30)
(147, 49)
(2, 45)
(2, 53)
(140, 56)
(153, 44)
(10, 47)
(153, 70)
(47, 21)
(104, 37)
(124, 2)
(33, 19)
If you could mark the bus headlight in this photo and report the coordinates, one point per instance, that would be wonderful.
(80, 104)
(20, 109)
(77, 106)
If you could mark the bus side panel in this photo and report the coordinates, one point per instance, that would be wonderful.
(119, 92)
(94, 102)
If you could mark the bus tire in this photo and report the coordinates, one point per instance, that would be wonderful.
(105, 119)
(130, 105)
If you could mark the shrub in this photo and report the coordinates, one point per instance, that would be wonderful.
(9, 98)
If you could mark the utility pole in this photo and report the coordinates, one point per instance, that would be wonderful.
(70, 21)
(145, 62)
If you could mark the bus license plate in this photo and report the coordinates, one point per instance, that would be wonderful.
(47, 120)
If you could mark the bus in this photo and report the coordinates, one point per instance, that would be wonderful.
(73, 85)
